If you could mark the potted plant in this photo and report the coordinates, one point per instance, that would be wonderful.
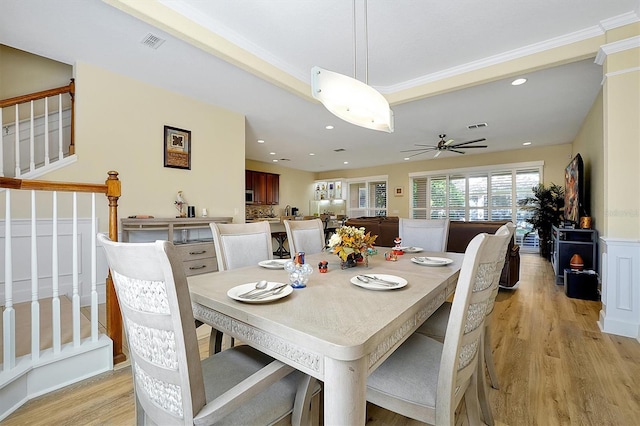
(547, 205)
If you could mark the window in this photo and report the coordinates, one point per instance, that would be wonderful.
(367, 197)
(481, 193)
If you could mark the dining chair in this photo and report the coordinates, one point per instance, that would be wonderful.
(436, 326)
(429, 234)
(425, 379)
(241, 244)
(171, 384)
(305, 235)
(238, 245)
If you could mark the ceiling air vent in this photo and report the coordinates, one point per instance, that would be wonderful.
(285, 159)
(153, 41)
(476, 126)
(339, 150)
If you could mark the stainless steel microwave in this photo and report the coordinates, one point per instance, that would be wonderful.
(248, 196)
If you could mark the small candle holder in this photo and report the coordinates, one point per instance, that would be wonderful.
(298, 274)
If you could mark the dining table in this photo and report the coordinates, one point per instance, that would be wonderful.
(338, 328)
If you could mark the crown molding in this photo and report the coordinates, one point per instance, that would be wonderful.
(616, 47)
(619, 21)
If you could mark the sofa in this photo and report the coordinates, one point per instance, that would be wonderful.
(460, 234)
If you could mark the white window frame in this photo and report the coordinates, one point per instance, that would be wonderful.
(370, 209)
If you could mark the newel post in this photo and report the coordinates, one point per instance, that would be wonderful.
(72, 93)
(114, 317)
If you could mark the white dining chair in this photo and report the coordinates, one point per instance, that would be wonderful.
(171, 384)
(429, 234)
(305, 235)
(425, 379)
(241, 244)
(436, 326)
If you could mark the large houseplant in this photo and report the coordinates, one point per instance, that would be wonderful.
(547, 205)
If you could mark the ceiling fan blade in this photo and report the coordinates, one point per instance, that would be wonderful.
(468, 142)
(420, 149)
(475, 146)
(455, 150)
(449, 142)
(437, 154)
(419, 153)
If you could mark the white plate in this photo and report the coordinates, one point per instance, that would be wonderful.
(372, 285)
(411, 249)
(431, 261)
(274, 263)
(240, 289)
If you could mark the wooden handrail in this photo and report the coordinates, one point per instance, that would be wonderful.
(70, 89)
(112, 189)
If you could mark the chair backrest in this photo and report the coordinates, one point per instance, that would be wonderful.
(509, 228)
(430, 234)
(482, 262)
(151, 286)
(241, 244)
(305, 235)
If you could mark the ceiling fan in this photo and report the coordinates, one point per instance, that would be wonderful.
(443, 145)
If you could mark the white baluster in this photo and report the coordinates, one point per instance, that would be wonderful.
(9, 314)
(35, 304)
(2, 146)
(55, 302)
(75, 294)
(17, 142)
(94, 272)
(60, 155)
(32, 151)
(46, 131)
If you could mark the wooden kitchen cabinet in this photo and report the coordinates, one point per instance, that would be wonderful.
(265, 187)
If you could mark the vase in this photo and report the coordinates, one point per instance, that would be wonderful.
(349, 263)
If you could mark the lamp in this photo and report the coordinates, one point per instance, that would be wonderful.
(352, 100)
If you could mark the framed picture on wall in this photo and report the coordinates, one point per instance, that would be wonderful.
(399, 192)
(177, 148)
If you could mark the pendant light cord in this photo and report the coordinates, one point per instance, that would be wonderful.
(366, 43)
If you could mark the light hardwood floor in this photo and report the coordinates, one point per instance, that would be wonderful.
(554, 364)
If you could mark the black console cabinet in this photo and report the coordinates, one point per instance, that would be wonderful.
(567, 242)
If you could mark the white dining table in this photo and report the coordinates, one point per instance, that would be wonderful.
(332, 329)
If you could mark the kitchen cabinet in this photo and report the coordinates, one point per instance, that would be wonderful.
(191, 236)
(566, 243)
(265, 187)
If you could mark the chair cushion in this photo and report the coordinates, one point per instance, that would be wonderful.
(409, 377)
(235, 364)
(436, 325)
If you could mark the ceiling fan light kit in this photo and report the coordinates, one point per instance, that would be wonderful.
(351, 100)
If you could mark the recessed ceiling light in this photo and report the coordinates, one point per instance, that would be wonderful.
(346, 162)
(260, 141)
(518, 81)
(329, 127)
(311, 153)
(275, 160)
(406, 158)
(272, 153)
(526, 143)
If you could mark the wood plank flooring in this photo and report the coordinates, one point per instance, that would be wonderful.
(554, 364)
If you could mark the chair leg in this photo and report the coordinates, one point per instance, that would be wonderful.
(471, 402)
(488, 356)
(215, 341)
(483, 389)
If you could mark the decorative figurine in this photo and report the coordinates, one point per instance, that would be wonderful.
(397, 250)
(180, 201)
(323, 266)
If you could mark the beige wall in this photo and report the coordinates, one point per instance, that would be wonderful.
(119, 126)
(589, 144)
(555, 159)
(296, 186)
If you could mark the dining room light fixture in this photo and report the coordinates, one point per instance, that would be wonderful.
(349, 99)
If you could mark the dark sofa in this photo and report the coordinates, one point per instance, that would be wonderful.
(460, 234)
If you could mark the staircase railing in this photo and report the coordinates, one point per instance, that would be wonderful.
(32, 131)
(22, 377)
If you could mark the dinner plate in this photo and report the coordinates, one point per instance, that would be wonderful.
(372, 285)
(411, 249)
(431, 261)
(273, 263)
(240, 289)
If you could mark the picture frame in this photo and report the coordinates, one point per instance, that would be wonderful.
(399, 191)
(177, 148)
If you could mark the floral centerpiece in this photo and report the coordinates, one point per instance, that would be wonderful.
(350, 242)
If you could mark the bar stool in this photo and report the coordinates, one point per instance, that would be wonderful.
(280, 237)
